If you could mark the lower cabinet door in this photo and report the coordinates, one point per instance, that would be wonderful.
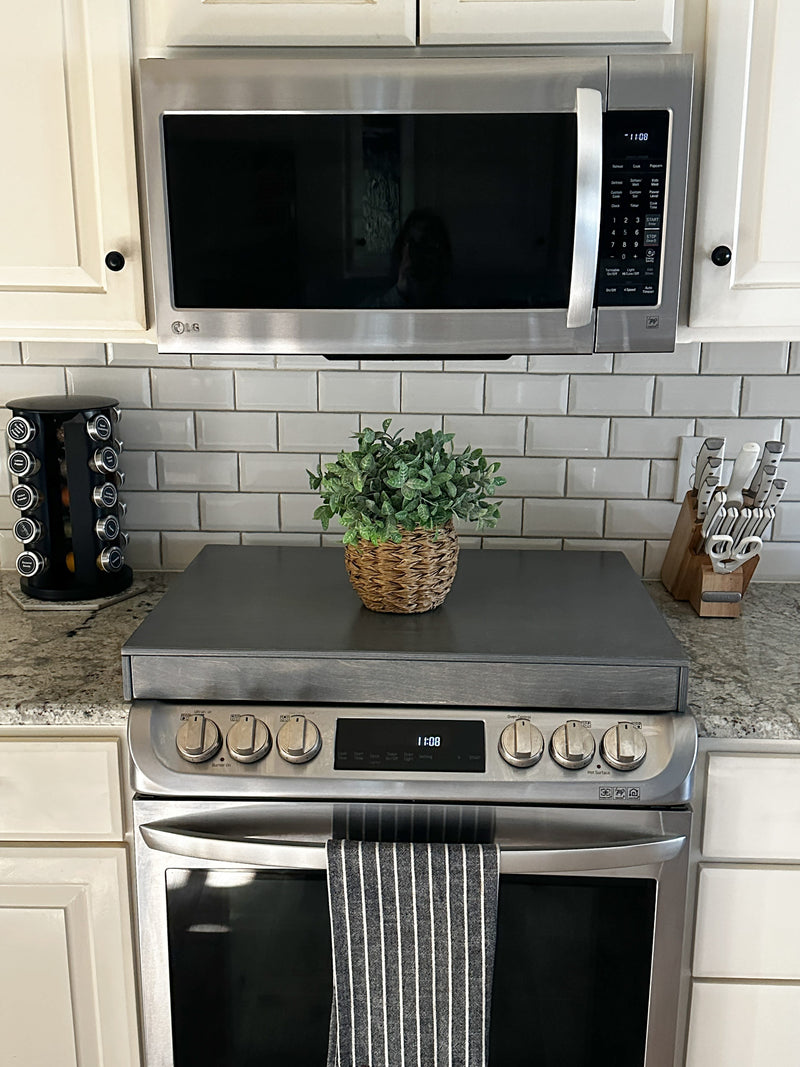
(67, 987)
(744, 1024)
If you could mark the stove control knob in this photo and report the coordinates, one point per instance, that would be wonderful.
(248, 739)
(198, 739)
(623, 747)
(299, 740)
(521, 744)
(572, 745)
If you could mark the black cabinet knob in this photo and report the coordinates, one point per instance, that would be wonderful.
(115, 261)
(721, 256)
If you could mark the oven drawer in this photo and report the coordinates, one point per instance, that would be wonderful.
(60, 790)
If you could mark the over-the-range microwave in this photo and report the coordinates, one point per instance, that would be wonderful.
(395, 203)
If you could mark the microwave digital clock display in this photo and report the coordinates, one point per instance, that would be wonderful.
(410, 745)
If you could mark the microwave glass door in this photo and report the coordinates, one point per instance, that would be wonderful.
(352, 211)
(250, 968)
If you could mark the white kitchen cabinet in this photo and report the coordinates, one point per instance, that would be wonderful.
(67, 978)
(750, 155)
(745, 999)
(68, 191)
(170, 23)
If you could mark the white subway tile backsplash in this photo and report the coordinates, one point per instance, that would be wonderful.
(10, 352)
(239, 511)
(198, 470)
(179, 549)
(508, 525)
(565, 518)
(143, 551)
(549, 436)
(531, 477)
(601, 363)
(231, 437)
(648, 438)
(598, 394)
(787, 522)
(316, 432)
(359, 391)
(195, 389)
(633, 550)
(17, 383)
(697, 395)
(745, 357)
(737, 431)
(158, 429)
(279, 390)
(684, 360)
(607, 478)
(662, 479)
(778, 396)
(239, 431)
(641, 518)
(446, 392)
(129, 385)
(297, 513)
(120, 354)
(502, 435)
(161, 511)
(71, 354)
(654, 553)
(139, 469)
(275, 472)
(533, 394)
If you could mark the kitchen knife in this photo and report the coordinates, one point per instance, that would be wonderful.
(715, 515)
(764, 485)
(756, 515)
(776, 491)
(743, 469)
(704, 493)
(767, 515)
(725, 527)
(773, 450)
(738, 530)
(712, 448)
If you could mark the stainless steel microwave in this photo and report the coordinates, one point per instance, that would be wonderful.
(416, 203)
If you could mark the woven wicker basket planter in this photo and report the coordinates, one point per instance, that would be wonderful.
(412, 576)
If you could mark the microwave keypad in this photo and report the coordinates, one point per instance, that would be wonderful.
(632, 222)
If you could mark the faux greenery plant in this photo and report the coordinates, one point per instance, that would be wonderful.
(388, 484)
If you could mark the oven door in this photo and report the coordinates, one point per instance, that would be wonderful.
(234, 928)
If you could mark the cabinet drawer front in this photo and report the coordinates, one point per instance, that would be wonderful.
(753, 808)
(60, 790)
(744, 1025)
(748, 924)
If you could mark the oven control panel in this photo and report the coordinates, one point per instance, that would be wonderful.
(273, 751)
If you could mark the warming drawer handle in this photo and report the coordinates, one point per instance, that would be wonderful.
(303, 855)
(588, 195)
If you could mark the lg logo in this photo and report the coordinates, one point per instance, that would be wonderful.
(186, 327)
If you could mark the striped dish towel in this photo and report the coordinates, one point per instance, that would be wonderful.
(413, 928)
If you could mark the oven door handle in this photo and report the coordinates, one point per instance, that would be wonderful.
(588, 196)
(311, 856)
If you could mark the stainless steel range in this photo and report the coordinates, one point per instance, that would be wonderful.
(542, 708)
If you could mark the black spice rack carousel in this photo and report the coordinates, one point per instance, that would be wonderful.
(65, 457)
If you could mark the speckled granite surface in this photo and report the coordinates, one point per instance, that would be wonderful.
(61, 667)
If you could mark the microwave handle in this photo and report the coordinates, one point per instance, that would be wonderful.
(311, 856)
(588, 192)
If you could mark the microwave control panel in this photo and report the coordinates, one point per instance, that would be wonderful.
(635, 154)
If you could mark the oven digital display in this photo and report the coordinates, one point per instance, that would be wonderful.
(410, 745)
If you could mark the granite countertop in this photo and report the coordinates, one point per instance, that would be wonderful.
(63, 667)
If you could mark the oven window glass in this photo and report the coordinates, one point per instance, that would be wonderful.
(250, 969)
(370, 211)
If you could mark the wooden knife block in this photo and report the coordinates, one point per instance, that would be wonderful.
(687, 572)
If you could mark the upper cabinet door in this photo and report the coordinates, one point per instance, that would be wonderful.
(170, 23)
(546, 21)
(747, 199)
(68, 191)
